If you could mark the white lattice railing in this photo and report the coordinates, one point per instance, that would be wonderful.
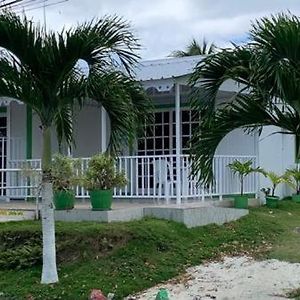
(148, 177)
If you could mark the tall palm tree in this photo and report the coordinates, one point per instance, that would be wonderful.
(267, 70)
(195, 48)
(41, 69)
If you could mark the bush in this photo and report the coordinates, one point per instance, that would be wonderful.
(101, 174)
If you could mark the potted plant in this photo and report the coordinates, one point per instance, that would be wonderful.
(293, 174)
(100, 178)
(242, 169)
(271, 199)
(63, 175)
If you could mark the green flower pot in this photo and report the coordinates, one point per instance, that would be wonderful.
(63, 200)
(296, 198)
(272, 201)
(101, 199)
(240, 201)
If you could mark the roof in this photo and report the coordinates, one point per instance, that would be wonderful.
(166, 68)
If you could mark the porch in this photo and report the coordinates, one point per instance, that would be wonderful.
(152, 177)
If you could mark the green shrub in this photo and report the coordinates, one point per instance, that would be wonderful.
(101, 174)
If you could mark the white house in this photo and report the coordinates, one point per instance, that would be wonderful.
(158, 165)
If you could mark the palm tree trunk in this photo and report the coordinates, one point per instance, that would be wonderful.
(49, 272)
(242, 186)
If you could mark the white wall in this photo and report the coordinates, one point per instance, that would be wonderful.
(37, 138)
(276, 153)
(87, 132)
(17, 124)
(237, 143)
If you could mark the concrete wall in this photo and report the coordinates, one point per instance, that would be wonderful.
(17, 126)
(37, 138)
(237, 143)
(276, 152)
(87, 132)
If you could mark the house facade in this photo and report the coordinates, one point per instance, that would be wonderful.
(158, 166)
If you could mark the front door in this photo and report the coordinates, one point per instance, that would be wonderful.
(160, 140)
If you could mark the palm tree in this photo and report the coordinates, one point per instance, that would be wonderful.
(41, 69)
(267, 69)
(195, 48)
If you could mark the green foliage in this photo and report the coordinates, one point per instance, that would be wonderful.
(125, 258)
(43, 72)
(267, 68)
(22, 257)
(64, 172)
(275, 180)
(242, 169)
(102, 174)
(195, 48)
(294, 175)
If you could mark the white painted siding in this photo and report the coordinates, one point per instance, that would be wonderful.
(276, 153)
(87, 131)
(37, 138)
(237, 143)
(18, 125)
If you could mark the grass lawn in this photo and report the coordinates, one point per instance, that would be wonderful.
(124, 258)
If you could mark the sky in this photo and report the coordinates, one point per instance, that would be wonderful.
(163, 26)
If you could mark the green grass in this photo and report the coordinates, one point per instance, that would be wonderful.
(124, 258)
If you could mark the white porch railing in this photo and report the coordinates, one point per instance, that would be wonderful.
(148, 177)
(155, 177)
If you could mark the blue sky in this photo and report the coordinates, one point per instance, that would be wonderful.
(166, 25)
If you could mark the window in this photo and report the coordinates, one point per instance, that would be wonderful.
(160, 136)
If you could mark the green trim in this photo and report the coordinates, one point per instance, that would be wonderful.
(28, 132)
(169, 105)
(3, 109)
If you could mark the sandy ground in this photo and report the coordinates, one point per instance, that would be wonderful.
(234, 278)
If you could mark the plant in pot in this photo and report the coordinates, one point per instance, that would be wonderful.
(63, 175)
(242, 169)
(100, 178)
(271, 199)
(293, 174)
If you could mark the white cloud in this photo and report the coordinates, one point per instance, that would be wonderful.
(166, 25)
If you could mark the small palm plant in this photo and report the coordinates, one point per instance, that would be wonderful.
(293, 174)
(275, 180)
(243, 169)
(271, 199)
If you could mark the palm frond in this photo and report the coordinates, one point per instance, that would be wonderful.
(124, 102)
(195, 48)
(211, 132)
(213, 71)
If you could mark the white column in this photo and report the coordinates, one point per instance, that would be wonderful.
(103, 130)
(178, 143)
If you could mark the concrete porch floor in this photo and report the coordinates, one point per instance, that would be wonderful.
(126, 204)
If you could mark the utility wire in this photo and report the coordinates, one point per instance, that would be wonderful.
(25, 3)
(42, 6)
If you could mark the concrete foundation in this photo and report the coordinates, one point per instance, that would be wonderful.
(229, 202)
(196, 216)
(190, 216)
(119, 215)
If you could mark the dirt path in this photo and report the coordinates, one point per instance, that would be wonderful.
(234, 278)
